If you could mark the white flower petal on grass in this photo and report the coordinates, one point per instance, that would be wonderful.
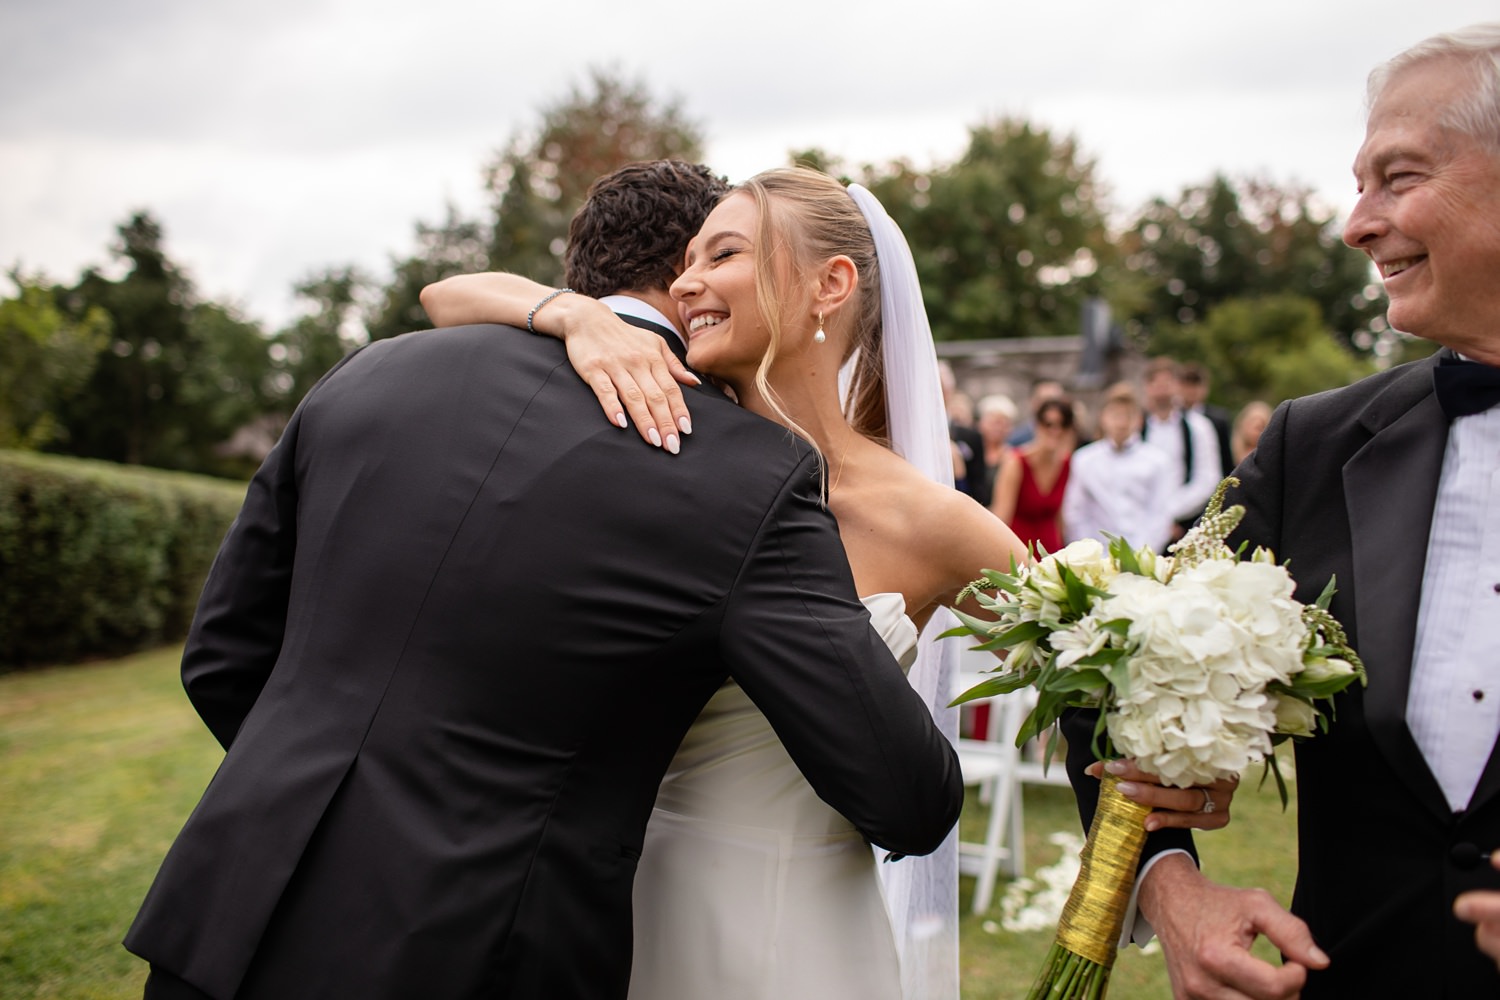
(1035, 904)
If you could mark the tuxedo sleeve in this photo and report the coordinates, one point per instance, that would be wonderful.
(801, 646)
(237, 630)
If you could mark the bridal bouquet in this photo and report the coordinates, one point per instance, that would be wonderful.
(1199, 664)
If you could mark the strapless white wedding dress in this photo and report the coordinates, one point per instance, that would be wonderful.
(750, 887)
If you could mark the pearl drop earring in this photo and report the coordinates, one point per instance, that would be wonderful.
(820, 336)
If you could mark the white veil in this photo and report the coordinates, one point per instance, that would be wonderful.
(921, 893)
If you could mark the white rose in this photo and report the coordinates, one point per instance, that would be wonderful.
(1294, 717)
(1044, 584)
(1322, 668)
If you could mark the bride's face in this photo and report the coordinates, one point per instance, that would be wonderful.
(715, 294)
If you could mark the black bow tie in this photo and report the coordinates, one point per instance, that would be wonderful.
(1465, 387)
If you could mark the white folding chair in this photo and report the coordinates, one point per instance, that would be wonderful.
(999, 770)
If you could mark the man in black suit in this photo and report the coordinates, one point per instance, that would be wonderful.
(456, 634)
(1388, 485)
(1193, 385)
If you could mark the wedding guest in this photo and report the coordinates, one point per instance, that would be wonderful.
(1042, 390)
(1119, 484)
(1188, 440)
(1193, 385)
(969, 472)
(1249, 424)
(1387, 486)
(997, 419)
(1034, 479)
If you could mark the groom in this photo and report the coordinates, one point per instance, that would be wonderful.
(459, 629)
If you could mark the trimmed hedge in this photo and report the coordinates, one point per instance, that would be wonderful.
(98, 559)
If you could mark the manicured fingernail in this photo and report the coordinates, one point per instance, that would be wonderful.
(685, 424)
(1115, 766)
(1129, 789)
(620, 420)
(673, 444)
(1152, 823)
(1317, 954)
(655, 437)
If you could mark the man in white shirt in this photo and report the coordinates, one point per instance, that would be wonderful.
(1188, 439)
(1119, 484)
(1391, 485)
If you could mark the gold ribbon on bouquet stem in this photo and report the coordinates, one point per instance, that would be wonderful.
(1088, 934)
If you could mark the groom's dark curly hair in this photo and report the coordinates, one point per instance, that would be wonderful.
(633, 230)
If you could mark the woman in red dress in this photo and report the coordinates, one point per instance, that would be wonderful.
(1029, 490)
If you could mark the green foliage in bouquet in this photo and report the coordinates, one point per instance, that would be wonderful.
(1120, 629)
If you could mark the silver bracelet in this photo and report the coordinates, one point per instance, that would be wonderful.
(545, 299)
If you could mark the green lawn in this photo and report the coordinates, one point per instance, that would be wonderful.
(100, 765)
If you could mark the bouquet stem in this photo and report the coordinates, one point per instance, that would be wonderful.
(1078, 965)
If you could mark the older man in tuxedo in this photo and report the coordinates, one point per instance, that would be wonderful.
(459, 629)
(1393, 486)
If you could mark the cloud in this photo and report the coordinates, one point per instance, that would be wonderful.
(277, 136)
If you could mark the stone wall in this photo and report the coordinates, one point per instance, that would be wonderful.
(1011, 365)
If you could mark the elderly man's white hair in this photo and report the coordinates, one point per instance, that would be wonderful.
(1477, 47)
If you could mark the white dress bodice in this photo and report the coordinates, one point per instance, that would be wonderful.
(750, 887)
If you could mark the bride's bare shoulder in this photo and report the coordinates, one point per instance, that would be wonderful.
(961, 534)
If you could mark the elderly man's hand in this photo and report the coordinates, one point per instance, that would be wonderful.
(1482, 909)
(1206, 931)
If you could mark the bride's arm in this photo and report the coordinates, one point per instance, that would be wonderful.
(491, 297)
(630, 370)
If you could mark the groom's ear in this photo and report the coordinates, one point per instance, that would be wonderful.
(837, 279)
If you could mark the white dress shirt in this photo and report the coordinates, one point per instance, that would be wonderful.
(1453, 705)
(1123, 491)
(629, 305)
(1191, 488)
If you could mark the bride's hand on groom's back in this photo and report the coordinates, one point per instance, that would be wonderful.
(1200, 807)
(634, 374)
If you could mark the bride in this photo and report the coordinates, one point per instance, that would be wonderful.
(799, 296)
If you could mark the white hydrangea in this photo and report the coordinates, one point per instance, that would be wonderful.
(1203, 649)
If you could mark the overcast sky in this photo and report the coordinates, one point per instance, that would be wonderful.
(273, 137)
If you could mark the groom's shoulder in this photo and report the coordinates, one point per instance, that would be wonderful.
(491, 338)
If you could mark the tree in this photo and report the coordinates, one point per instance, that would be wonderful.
(178, 374)
(229, 387)
(541, 177)
(304, 351)
(130, 411)
(46, 358)
(1244, 238)
(1010, 240)
(1270, 347)
(454, 246)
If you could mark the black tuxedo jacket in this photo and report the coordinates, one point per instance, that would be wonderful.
(451, 644)
(1342, 485)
